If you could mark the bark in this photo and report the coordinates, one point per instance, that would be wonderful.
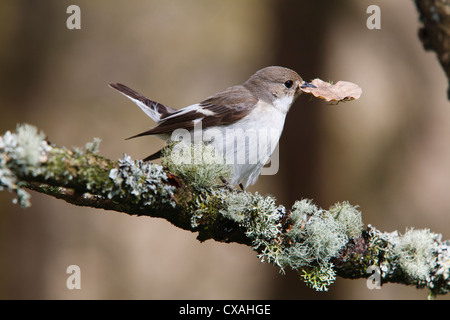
(435, 33)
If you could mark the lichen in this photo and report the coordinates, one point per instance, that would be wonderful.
(439, 280)
(24, 150)
(23, 198)
(236, 207)
(313, 238)
(415, 251)
(417, 257)
(348, 217)
(261, 217)
(306, 238)
(93, 147)
(147, 182)
(198, 164)
(316, 230)
(319, 277)
(324, 237)
(202, 170)
(30, 145)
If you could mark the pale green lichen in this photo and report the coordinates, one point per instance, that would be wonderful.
(415, 252)
(30, 145)
(23, 198)
(198, 164)
(236, 207)
(201, 169)
(265, 227)
(301, 211)
(319, 277)
(348, 217)
(24, 149)
(261, 218)
(93, 147)
(418, 255)
(316, 234)
(314, 238)
(324, 237)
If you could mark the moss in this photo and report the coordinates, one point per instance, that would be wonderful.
(203, 205)
(94, 170)
(59, 165)
(90, 171)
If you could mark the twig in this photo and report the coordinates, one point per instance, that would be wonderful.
(319, 244)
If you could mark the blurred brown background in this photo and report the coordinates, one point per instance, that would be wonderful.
(388, 152)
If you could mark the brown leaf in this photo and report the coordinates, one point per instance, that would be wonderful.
(340, 91)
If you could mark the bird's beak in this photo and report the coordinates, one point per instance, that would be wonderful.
(307, 85)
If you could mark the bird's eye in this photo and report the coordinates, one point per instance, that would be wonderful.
(288, 84)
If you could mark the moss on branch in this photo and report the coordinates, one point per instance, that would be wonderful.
(319, 244)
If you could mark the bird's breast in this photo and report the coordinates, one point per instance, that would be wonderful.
(264, 115)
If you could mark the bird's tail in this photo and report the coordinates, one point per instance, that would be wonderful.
(153, 109)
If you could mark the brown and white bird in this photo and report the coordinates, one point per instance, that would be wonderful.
(243, 123)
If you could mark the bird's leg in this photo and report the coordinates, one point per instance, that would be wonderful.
(226, 184)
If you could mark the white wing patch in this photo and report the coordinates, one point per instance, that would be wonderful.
(194, 107)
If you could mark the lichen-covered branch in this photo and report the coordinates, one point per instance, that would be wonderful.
(435, 33)
(319, 244)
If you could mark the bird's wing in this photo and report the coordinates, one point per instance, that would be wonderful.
(223, 108)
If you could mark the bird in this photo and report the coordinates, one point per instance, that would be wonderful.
(243, 122)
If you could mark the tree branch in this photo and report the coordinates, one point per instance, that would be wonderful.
(435, 33)
(319, 244)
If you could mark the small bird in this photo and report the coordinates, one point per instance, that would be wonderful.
(243, 123)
